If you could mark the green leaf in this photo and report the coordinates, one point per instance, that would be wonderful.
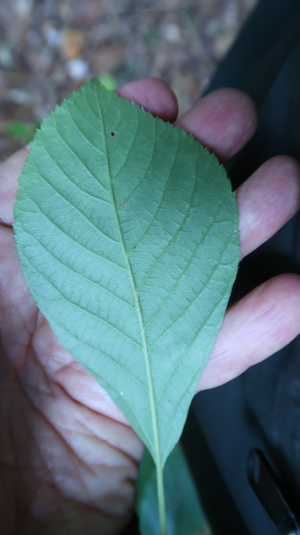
(183, 509)
(126, 229)
(19, 129)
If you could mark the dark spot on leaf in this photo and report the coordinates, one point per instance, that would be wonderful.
(124, 206)
(134, 246)
(113, 134)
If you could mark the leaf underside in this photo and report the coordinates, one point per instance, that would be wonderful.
(126, 228)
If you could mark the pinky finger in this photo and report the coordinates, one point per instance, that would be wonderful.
(261, 323)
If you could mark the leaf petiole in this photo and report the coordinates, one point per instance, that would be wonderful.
(161, 500)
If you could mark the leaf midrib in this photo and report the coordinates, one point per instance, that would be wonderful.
(138, 308)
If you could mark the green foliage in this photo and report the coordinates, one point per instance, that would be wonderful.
(108, 81)
(126, 229)
(19, 129)
(183, 509)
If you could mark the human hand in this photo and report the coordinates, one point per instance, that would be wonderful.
(68, 458)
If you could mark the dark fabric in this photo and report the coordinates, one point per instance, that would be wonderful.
(273, 387)
(260, 49)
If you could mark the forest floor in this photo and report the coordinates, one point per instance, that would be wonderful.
(48, 48)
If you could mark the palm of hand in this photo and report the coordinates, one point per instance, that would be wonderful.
(68, 457)
(70, 451)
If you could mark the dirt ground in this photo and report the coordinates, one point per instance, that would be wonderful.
(48, 48)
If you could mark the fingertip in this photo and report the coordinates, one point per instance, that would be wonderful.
(152, 94)
(253, 329)
(271, 317)
(267, 200)
(223, 121)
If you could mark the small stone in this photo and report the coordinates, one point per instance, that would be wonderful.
(171, 33)
(52, 35)
(23, 8)
(77, 69)
(20, 96)
(6, 57)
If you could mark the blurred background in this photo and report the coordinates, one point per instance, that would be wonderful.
(48, 48)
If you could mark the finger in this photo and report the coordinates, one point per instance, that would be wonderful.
(267, 200)
(254, 328)
(223, 121)
(10, 171)
(153, 95)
